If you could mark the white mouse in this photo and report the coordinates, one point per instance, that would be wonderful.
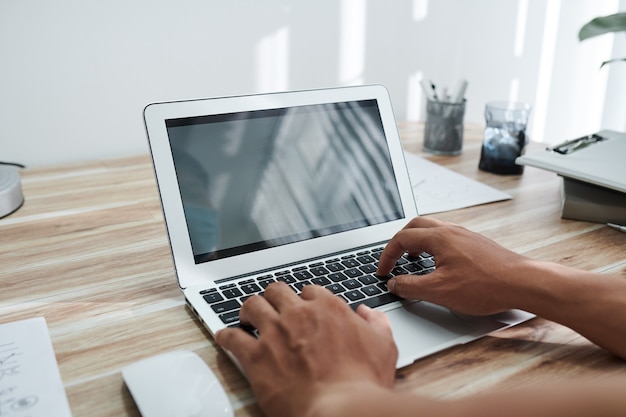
(176, 384)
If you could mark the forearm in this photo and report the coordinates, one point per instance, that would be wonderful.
(592, 304)
(363, 399)
(583, 399)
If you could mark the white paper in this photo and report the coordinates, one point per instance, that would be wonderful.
(30, 382)
(438, 189)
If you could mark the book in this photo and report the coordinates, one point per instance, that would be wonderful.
(589, 202)
(593, 168)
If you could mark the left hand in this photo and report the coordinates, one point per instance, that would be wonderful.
(307, 344)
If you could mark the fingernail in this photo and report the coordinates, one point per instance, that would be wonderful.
(391, 284)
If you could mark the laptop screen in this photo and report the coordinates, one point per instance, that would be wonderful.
(259, 179)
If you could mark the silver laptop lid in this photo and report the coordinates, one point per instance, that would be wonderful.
(254, 182)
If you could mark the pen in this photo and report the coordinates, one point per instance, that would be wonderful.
(617, 227)
(444, 94)
(573, 145)
(458, 95)
(432, 85)
(426, 89)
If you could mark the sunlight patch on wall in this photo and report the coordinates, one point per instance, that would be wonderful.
(352, 41)
(520, 31)
(415, 98)
(420, 10)
(272, 62)
(546, 62)
(514, 90)
(589, 108)
(572, 104)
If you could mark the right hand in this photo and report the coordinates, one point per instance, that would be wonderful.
(474, 275)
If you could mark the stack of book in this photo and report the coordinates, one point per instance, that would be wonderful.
(593, 168)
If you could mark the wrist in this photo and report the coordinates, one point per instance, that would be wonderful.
(552, 291)
(535, 285)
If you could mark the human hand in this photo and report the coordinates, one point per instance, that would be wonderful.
(308, 345)
(474, 275)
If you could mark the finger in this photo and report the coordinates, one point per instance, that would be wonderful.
(412, 240)
(390, 255)
(237, 342)
(422, 222)
(280, 295)
(420, 235)
(411, 286)
(377, 319)
(257, 311)
(311, 292)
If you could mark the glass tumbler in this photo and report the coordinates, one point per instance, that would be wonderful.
(505, 137)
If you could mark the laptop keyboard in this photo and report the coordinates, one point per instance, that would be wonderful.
(351, 277)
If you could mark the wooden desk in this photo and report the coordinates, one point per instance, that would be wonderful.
(89, 252)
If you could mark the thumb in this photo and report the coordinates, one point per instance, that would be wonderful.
(377, 319)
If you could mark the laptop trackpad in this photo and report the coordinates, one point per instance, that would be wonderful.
(422, 328)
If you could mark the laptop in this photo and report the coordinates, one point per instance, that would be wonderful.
(304, 187)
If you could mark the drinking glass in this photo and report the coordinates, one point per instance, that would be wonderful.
(505, 137)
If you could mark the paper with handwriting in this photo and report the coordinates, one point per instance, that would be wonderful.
(438, 189)
(30, 382)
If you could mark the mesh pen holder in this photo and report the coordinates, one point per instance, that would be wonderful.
(443, 132)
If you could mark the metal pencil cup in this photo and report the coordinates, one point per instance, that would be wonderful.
(443, 133)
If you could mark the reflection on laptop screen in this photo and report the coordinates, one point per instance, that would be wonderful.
(259, 179)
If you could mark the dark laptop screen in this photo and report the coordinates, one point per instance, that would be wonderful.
(260, 179)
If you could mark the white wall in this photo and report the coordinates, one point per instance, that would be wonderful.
(76, 74)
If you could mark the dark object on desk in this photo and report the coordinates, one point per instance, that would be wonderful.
(505, 137)
(594, 175)
(500, 158)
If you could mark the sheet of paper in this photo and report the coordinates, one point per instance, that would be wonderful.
(438, 189)
(30, 382)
